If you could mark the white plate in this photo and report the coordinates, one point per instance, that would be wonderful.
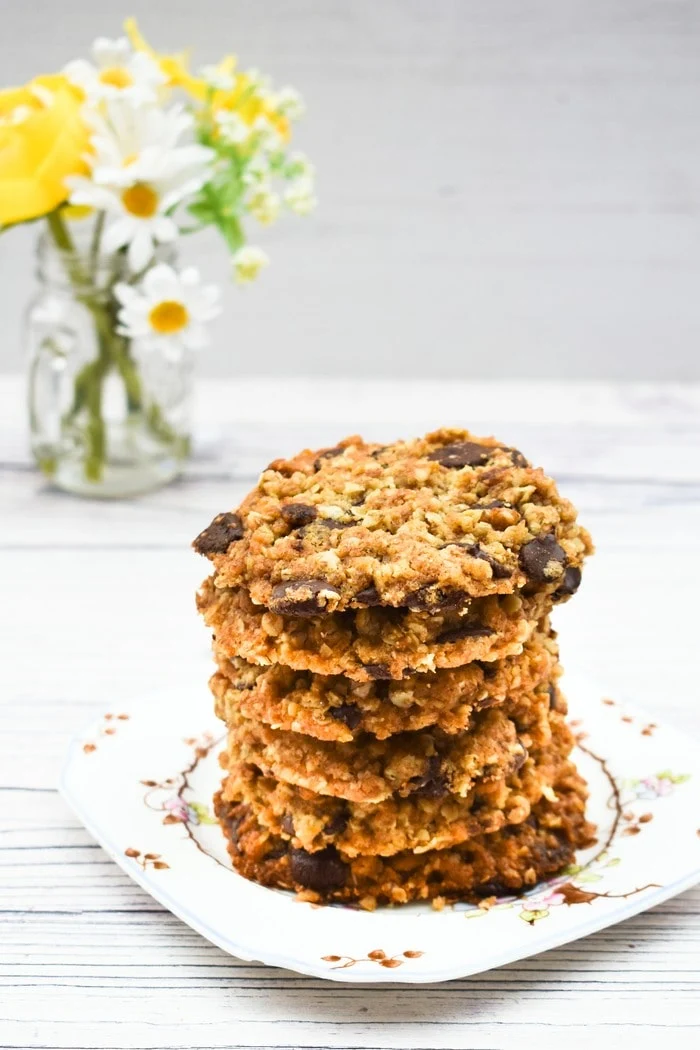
(141, 780)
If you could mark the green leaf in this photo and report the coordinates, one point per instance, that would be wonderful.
(203, 813)
(533, 916)
(674, 778)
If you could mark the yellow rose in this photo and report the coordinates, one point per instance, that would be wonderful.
(42, 140)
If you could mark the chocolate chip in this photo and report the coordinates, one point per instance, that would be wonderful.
(276, 852)
(520, 759)
(461, 454)
(282, 466)
(338, 823)
(333, 523)
(321, 871)
(432, 784)
(348, 714)
(377, 671)
(488, 669)
(517, 457)
(556, 700)
(368, 596)
(301, 597)
(549, 858)
(287, 824)
(498, 570)
(298, 514)
(217, 537)
(486, 702)
(437, 599)
(381, 690)
(328, 453)
(569, 584)
(492, 889)
(465, 630)
(538, 555)
(234, 822)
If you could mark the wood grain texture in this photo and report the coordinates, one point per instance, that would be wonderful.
(97, 607)
(507, 187)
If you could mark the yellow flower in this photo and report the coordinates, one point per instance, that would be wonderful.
(245, 97)
(42, 140)
(173, 67)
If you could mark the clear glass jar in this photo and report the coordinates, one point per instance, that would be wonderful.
(104, 421)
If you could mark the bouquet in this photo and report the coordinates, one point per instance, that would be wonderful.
(120, 156)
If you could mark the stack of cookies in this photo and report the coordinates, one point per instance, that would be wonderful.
(388, 673)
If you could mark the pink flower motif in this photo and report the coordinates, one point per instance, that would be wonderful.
(550, 899)
(654, 787)
(178, 809)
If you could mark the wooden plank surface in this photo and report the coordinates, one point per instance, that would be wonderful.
(98, 607)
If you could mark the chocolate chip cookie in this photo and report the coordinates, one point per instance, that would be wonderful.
(431, 817)
(423, 762)
(424, 525)
(333, 707)
(372, 644)
(504, 862)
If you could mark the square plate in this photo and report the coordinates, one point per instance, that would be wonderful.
(141, 780)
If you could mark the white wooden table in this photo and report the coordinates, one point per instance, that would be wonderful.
(98, 606)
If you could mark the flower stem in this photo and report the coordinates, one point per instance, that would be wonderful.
(113, 352)
(96, 238)
(59, 231)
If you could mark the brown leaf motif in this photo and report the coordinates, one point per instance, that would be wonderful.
(377, 955)
(146, 860)
(105, 729)
(575, 895)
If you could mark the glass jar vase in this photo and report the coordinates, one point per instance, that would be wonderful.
(105, 420)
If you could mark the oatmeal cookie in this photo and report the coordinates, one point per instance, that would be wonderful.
(369, 644)
(426, 524)
(430, 818)
(504, 862)
(333, 707)
(371, 770)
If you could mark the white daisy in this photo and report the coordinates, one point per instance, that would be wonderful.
(247, 263)
(139, 176)
(126, 133)
(116, 72)
(167, 311)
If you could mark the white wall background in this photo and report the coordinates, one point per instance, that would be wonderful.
(507, 186)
